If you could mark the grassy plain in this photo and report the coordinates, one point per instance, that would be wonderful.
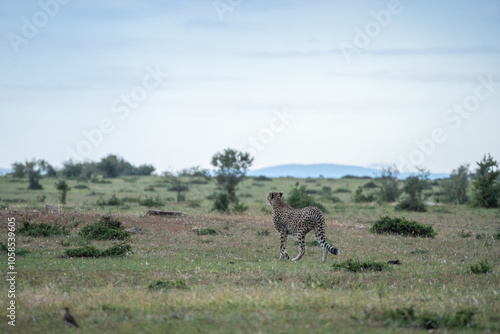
(234, 282)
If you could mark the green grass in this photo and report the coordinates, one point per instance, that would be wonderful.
(233, 281)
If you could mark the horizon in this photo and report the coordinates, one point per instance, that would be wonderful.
(360, 83)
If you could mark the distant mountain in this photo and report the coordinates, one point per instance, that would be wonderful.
(326, 170)
(5, 171)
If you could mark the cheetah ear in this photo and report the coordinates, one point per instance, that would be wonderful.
(272, 195)
(281, 194)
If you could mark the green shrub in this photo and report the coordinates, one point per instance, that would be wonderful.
(359, 197)
(81, 186)
(112, 201)
(482, 267)
(342, 190)
(221, 203)
(402, 226)
(41, 229)
(92, 251)
(299, 198)
(106, 228)
(263, 232)
(170, 284)
(496, 236)
(152, 202)
(206, 231)
(18, 252)
(464, 234)
(414, 187)
(357, 265)
(239, 207)
(370, 184)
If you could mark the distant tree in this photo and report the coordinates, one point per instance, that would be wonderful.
(454, 189)
(19, 169)
(143, 170)
(63, 188)
(178, 184)
(109, 166)
(359, 197)
(486, 184)
(232, 166)
(34, 169)
(51, 171)
(72, 169)
(389, 184)
(414, 187)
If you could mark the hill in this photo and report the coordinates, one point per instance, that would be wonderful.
(326, 170)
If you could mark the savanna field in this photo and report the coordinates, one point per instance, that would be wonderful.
(206, 272)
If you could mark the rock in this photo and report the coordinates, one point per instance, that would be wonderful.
(166, 213)
(50, 207)
(133, 230)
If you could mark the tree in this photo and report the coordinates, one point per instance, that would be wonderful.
(454, 189)
(19, 170)
(177, 184)
(413, 188)
(109, 166)
(232, 166)
(63, 188)
(299, 198)
(486, 185)
(389, 185)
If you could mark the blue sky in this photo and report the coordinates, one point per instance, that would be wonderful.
(411, 83)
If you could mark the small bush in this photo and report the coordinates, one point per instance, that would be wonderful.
(206, 231)
(170, 284)
(342, 190)
(402, 226)
(112, 201)
(263, 178)
(356, 265)
(359, 197)
(482, 267)
(370, 184)
(496, 236)
(239, 207)
(152, 202)
(464, 234)
(264, 232)
(105, 229)
(299, 198)
(194, 203)
(81, 186)
(41, 230)
(18, 252)
(92, 251)
(221, 203)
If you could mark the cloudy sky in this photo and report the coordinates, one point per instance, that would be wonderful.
(411, 83)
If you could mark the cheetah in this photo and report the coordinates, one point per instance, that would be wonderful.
(298, 222)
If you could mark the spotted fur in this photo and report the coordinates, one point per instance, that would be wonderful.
(298, 222)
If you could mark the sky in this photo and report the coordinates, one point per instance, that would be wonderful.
(171, 83)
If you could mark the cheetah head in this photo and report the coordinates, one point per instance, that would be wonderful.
(273, 195)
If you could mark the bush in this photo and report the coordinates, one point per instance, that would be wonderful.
(464, 234)
(370, 184)
(206, 231)
(221, 203)
(486, 185)
(159, 284)
(299, 198)
(482, 267)
(414, 188)
(359, 197)
(454, 189)
(239, 207)
(112, 201)
(105, 229)
(496, 236)
(152, 202)
(91, 251)
(357, 265)
(402, 226)
(41, 230)
(263, 232)
(389, 184)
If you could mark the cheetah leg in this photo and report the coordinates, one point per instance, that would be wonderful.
(302, 247)
(322, 243)
(283, 253)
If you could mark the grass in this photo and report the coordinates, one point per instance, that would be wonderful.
(235, 282)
